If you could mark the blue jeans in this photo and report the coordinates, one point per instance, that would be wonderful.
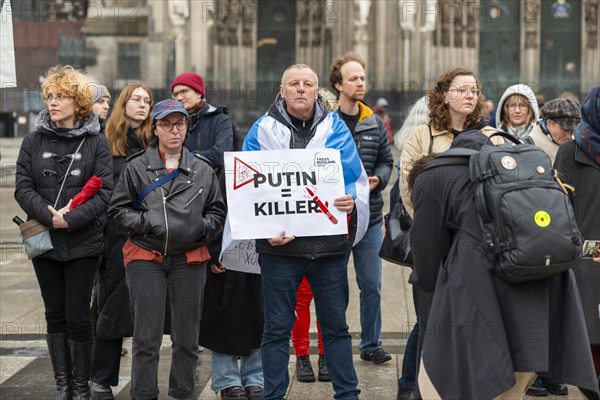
(226, 372)
(367, 265)
(149, 284)
(409, 362)
(328, 278)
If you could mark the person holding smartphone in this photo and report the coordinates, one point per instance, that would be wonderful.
(578, 162)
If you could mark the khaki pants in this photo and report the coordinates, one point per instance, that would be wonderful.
(429, 392)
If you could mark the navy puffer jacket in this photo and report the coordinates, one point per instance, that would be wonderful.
(370, 136)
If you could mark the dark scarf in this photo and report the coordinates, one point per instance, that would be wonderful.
(587, 133)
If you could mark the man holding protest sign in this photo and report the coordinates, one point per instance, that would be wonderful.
(348, 78)
(298, 120)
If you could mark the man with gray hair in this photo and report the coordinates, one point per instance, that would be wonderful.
(298, 119)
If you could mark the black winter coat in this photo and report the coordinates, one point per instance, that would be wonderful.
(210, 134)
(481, 328)
(112, 295)
(370, 136)
(584, 174)
(43, 160)
(176, 217)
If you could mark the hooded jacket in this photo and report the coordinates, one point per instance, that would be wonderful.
(276, 131)
(42, 163)
(526, 92)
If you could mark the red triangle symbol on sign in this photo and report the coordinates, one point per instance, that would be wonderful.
(244, 173)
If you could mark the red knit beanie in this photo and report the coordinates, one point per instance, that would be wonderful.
(190, 79)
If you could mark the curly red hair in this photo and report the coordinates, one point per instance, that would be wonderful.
(74, 83)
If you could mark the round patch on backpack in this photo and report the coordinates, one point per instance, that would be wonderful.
(542, 219)
(508, 162)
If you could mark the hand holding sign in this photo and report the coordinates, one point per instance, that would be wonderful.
(281, 239)
(344, 203)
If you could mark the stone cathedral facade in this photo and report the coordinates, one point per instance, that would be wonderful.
(242, 46)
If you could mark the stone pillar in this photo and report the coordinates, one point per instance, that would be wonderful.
(179, 13)
(361, 28)
(200, 46)
(590, 55)
(408, 12)
(530, 42)
(427, 30)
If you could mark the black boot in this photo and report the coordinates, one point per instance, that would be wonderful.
(81, 357)
(58, 347)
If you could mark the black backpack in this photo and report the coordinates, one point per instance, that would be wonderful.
(528, 223)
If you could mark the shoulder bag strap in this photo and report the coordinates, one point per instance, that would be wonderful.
(430, 139)
(68, 170)
(159, 182)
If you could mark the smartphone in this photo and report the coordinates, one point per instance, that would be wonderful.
(591, 249)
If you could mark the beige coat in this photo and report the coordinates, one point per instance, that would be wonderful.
(544, 142)
(417, 146)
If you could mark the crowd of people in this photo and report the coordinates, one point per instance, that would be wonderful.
(146, 247)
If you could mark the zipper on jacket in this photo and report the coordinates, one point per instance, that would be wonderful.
(194, 197)
(164, 201)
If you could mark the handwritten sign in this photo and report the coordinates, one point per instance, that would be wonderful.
(241, 256)
(284, 190)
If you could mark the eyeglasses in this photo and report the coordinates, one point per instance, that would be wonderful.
(465, 91)
(522, 106)
(182, 92)
(168, 126)
(308, 85)
(139, 100)
(58, 97)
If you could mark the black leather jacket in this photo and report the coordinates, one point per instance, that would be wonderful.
(176, 217)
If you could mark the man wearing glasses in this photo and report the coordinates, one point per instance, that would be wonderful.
(211, 131)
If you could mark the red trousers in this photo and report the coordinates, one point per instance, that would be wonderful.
(300, 330)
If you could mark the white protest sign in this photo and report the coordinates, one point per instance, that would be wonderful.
(270, 191)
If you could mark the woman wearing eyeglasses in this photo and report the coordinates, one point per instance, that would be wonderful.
(54, 163)
(128, 131)
(170, 204)
(517, 110)
(455, 105)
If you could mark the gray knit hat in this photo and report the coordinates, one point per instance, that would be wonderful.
(98, 92)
